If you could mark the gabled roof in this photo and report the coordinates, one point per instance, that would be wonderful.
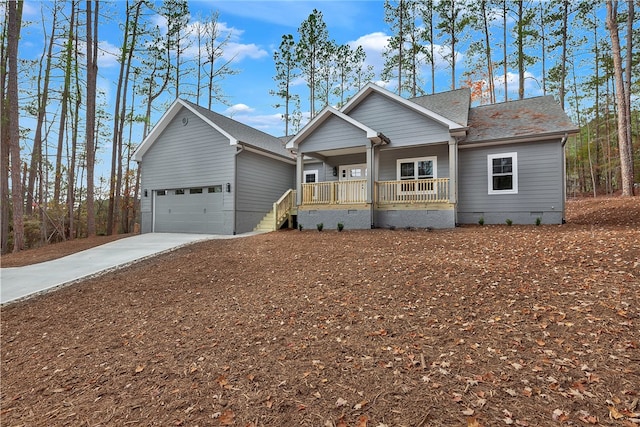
(538, 117)
(236, 132)
(454, 104)
(369, 88)
(323, 116)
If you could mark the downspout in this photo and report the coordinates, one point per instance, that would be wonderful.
(235, 185)
(563, 141)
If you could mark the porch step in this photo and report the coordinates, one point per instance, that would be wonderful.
(267, 222)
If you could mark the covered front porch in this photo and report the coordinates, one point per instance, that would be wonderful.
(395, 204)
(386, 193)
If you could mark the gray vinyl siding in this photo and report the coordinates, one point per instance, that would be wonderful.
(261, 181)
(387, 169)
(540, 185)
(194, 155)
(332, 134)
(402, 125)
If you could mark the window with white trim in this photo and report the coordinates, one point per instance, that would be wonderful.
(310, 176)
(417, 169)
(502, 173)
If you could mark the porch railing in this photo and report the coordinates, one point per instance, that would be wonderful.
(412, 191)
(336, 192)
(283, 207)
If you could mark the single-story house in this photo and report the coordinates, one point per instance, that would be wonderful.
(432, 161)
(202, 172)
(379, 161)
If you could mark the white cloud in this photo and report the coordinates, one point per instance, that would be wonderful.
(374, 45)
(239, 51)
(108, 55)
(238, 108)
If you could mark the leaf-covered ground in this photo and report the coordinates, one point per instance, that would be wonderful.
(493, 325)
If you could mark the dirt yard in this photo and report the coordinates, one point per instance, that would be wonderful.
(477, 326)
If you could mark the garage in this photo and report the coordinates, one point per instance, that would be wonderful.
(189, 210)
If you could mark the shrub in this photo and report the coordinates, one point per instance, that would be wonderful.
(340, 226)
(509, 222)
(538, 221)
(300, 227)
(320, 226)
(481, 220)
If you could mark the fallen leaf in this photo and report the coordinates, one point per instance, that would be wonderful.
(362, 421)
(226, 419)
(614, 414)
(468, 412)
(559, 415)
(340, 402)
(473, 422)
(341, 423)
(139, 368)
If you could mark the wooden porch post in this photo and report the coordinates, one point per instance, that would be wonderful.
(370, 173)
(453, 170)
(299, 175)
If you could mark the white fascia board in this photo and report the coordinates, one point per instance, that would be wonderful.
(371, 87)
(512, 140)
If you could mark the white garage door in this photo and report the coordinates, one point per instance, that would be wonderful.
(189, 210)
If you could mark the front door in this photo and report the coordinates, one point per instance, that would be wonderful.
(352, 186)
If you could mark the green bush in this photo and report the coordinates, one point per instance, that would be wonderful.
(481, 220)
(509, 222)
(320, 226)
(300, 227)
(340, 226)
(538, 221)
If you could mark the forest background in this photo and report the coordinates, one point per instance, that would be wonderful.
(83, 82)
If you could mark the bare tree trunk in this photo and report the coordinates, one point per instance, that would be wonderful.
(13, 29)
(504, 49)
(563, 63)
(57, 185)
(543, 53)
(71, 185)
(626, 160)
(92, 73)
(4, 144)
(492, 90)
(43, 100)
(520, 51)
(627, 84)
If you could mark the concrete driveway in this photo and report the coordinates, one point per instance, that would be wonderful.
(19, 283)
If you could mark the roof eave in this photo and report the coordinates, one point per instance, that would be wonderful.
(519, 139)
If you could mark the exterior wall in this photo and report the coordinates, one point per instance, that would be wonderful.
(402, 125)
(387, 169)
(540, 185)
(261, 181)
(332, 134)
(194, 155)
(417, 218)
(357, 218)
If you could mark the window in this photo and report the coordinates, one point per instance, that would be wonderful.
(215, 189)
(179, 191)
(503, 173)
(310, 176)
(195, 191)
(161, 192)
(417, 169)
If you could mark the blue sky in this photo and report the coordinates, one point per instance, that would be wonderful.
(256, 29)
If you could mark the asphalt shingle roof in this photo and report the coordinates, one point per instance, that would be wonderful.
(244, 133)
(528, 117)
(454, 104)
